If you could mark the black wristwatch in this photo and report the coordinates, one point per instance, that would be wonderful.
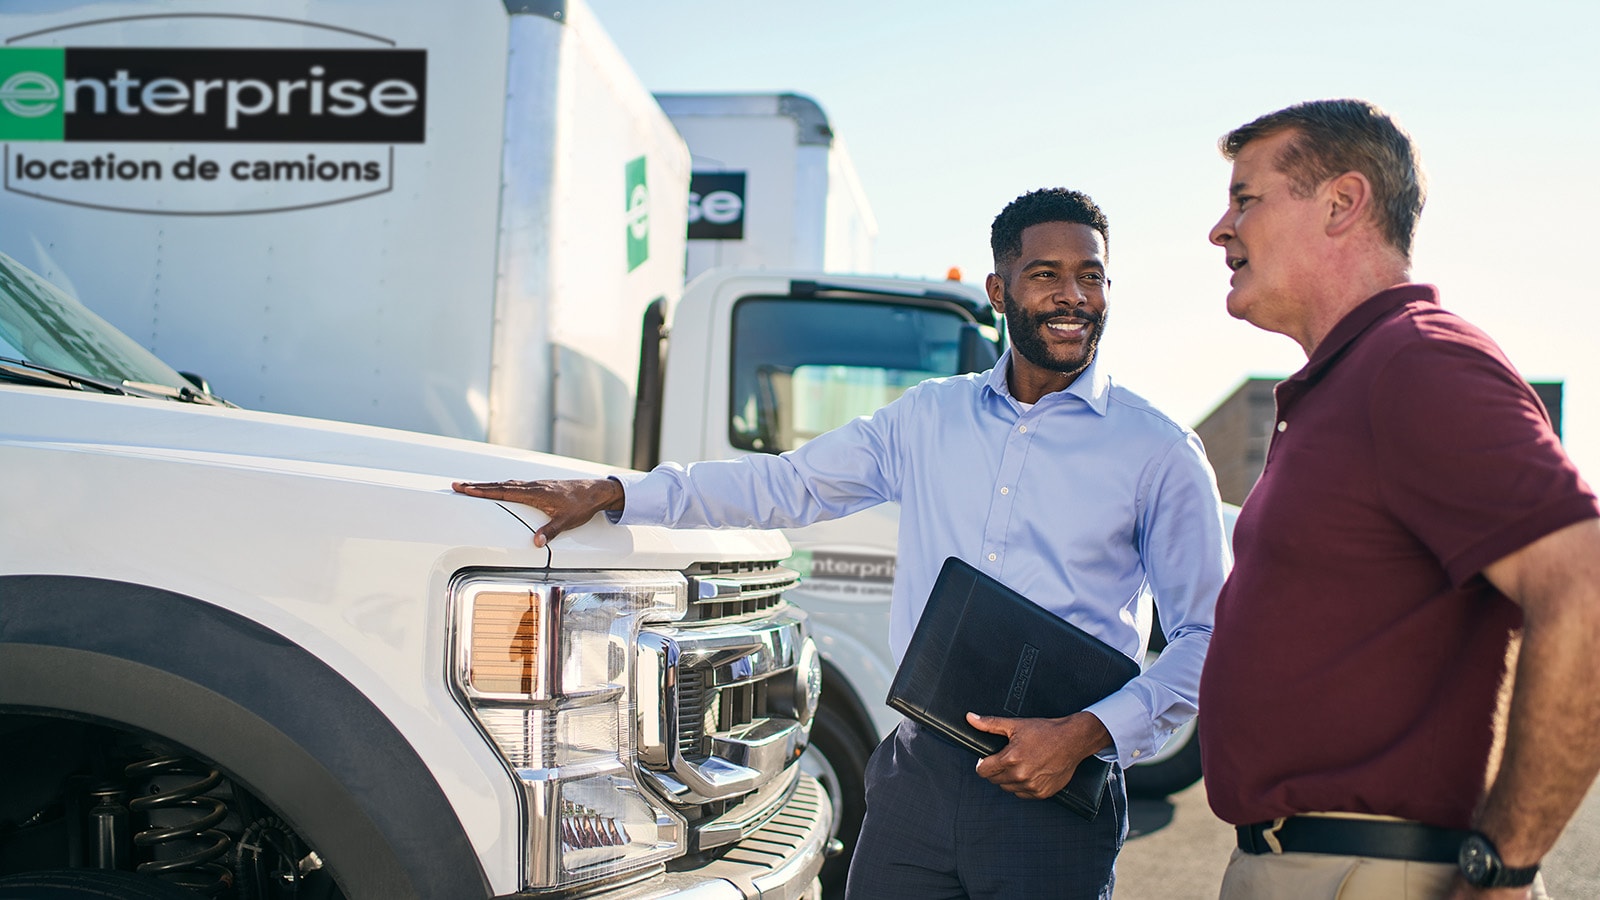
(1482, 867)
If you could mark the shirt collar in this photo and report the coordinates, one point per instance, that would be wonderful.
(1356, 322)
(1091, 386)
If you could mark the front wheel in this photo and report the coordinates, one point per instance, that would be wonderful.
(837, 759)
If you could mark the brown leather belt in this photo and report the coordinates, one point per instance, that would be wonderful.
(1355, 837)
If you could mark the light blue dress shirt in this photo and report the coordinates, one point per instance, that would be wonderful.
(1087, 502)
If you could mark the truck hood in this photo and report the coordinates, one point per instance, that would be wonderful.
(411, 472)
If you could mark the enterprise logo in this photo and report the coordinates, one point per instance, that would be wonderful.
(30, 94)
(213, 95)
(1019, 681)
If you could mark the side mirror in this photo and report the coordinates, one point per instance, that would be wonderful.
(976, 352)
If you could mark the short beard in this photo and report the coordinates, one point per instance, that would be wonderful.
(1023, 330)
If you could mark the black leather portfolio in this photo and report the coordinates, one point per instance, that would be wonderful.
(982, 647)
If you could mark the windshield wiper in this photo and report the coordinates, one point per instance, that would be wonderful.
(47, 376)
(182, 394)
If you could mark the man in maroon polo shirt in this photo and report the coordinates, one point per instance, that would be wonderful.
(1415, 512)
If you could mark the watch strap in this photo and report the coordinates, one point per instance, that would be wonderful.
(1495, 873)
(1508, 877)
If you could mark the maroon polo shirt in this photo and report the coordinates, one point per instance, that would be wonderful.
(1358, 649)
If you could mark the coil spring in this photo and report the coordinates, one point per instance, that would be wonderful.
(190, 846)
(272, 860)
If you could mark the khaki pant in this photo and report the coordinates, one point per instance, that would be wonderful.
(1318, 876)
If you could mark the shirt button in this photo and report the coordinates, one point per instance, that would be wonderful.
(991, 557)
(1022, 428)
(1005, 490)
(1283, 426)
(1136, 754)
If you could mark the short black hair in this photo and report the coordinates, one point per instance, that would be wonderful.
(1332, 137)
(1035, 207)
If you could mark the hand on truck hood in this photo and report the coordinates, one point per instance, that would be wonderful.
(568, 502)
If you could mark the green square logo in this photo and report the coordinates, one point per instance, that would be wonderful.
(33, 93)
(638, 212)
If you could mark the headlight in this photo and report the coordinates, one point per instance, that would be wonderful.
(545, 665)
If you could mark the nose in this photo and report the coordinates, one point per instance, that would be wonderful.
(1222, 232)
(1074, 295)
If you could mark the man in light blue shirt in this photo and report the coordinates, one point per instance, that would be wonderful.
(1047, 475)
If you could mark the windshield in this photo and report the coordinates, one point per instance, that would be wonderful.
(802, 366)
(41, 325)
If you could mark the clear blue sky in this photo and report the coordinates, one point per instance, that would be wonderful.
(951, 109)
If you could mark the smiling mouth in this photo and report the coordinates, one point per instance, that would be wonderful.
(1235, 263)
(1071, 324)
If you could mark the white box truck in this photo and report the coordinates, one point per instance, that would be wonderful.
(774, 186)
(423, 216)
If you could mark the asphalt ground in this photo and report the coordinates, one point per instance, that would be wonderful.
(1177, 849)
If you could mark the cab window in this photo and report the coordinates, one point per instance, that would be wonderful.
(804, 366)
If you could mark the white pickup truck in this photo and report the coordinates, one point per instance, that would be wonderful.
(251, 655)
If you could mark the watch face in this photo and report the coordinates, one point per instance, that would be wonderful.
(1477, 860)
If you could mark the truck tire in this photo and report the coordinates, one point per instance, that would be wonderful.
(1174, 767)
(837, 758)
(88, 884)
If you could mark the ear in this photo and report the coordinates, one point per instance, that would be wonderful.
(996, 287)
(1348, 197)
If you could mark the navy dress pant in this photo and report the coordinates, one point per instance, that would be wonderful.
(935, 829)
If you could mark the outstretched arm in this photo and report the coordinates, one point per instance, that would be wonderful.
(844, 470)
(568, 502)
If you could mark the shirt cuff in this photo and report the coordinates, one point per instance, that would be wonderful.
(1124, 715)
(636, 500)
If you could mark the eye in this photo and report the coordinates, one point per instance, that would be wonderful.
(1042, 274)
(1095, 278)
(1242, 201)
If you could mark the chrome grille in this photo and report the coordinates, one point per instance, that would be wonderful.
(703, 709)
(726, 694)
(695, 699)
(721, 591)
(741, 704)
(734, 590)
